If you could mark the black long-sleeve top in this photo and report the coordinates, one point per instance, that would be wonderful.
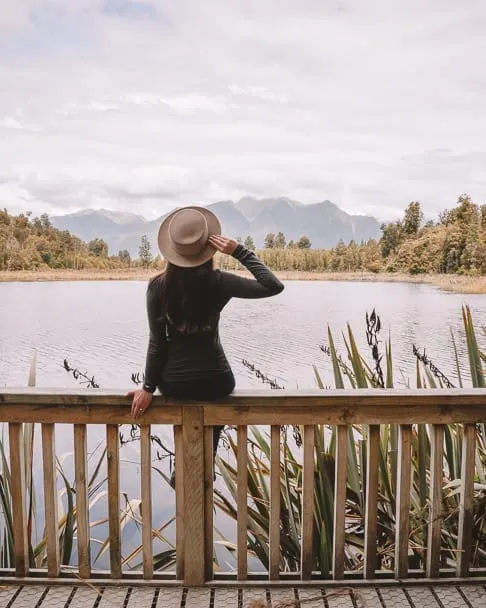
(201, 355)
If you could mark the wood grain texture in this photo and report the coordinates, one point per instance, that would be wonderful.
(274, 534)
(208, 502)
(464, 537)
(194, 537)
(371, 514)
(432, 566)
(50, 499)
(146, 492)
(82, 515)
(402, 526)
(179, 499)
(19, 520)
(242, 503)
(340, 483)
(113, 467)
(306, 558)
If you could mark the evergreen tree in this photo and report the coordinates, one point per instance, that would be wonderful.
(145, 252)
(249, 244)
(124, 256)
(304, 242)
(280, 241)
(270, 241)
(412, 219)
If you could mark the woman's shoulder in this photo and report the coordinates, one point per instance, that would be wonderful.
(156, 283)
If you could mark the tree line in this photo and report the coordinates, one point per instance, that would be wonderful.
(454, 243)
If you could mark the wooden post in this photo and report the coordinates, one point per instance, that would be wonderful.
(113, 466)
(340, 501)
(402, 525)
(435, 500)
(146, 491)
(82, 515)
(242, 502)
(179, 499)
(194, 537)
(306, 557)
(208, 501)
(50, 499)
(274, 533)
(17, 474)
(371, 513)
(464, 537)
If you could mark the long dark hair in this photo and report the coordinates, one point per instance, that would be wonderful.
(189, 297)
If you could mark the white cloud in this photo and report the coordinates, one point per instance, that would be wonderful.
(143, 105)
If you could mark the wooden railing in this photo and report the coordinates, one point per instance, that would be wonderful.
(194, 479)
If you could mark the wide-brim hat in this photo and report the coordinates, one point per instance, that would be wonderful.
(184, 233)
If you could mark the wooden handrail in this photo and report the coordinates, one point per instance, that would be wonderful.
(194, 472)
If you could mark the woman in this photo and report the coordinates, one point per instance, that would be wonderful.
(185, 359)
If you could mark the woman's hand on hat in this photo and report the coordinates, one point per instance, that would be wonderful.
(141, 401)
(223, 244)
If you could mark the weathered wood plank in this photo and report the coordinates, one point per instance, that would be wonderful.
(50, 499)
(113, 468)
(86, 414)
(340, 501)
(194, 552)
(274, 534)
(242, 503)
(198, 598)
(313, 598)
(57, 597)
(17, 473)
(142, 598)
(146, 491)
(256, 412)
(371, 513)
(435, 499)
(179, 499)
(208, 501)
(82, 515)
(402, 526)
(226, 598)
(464, 537)
(113, 596)
(169, 598)
(306, 558)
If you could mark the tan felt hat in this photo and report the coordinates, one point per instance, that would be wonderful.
(183, 236)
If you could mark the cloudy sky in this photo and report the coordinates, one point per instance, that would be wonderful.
(141, 105)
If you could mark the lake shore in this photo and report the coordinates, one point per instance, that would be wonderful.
(453, 283)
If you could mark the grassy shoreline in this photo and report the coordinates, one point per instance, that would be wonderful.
(453, 283)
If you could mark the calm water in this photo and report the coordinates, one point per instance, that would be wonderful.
(100, 327)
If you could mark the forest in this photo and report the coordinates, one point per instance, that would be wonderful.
(454, 243)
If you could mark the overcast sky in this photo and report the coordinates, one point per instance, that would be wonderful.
(143, 105)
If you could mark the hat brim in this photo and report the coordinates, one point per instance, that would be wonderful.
(188, 261)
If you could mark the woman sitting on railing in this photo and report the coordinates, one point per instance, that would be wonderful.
(185, 359)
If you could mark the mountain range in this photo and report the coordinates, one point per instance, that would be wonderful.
(324, 223)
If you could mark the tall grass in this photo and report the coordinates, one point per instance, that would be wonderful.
(355, 371)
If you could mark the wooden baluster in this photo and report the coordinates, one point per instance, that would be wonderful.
(274, 558)
(435, 499)
(464, 537)
(82, 515)
(146, 490)
(179, 498)
(306, 558)
(371, 510)
(17, 475)
(113, 466)
(194, 520)
(242, 502)
(50, 499)
(402, 526)
(208, 500)
(340, 501)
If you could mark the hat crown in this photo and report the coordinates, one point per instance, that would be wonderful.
(188, 231)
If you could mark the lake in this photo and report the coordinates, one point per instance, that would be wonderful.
(101, 328)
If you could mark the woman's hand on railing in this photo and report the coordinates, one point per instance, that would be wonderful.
(223, 244)
(141, 401)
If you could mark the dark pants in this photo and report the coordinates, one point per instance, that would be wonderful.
(204, 389)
